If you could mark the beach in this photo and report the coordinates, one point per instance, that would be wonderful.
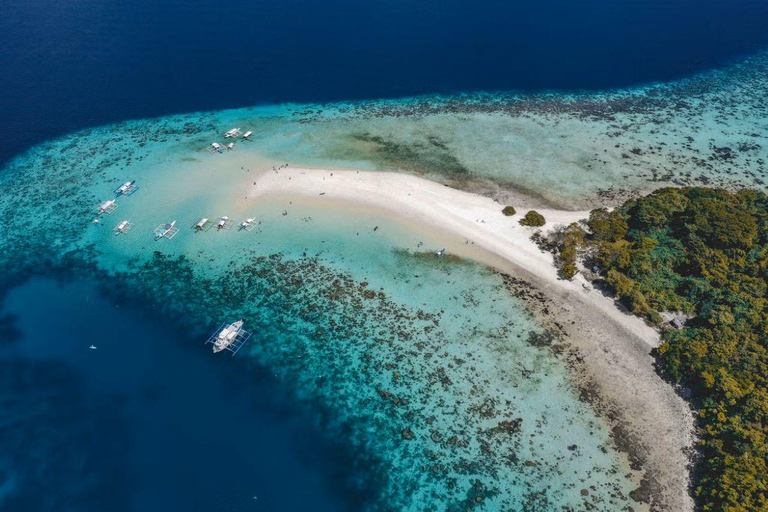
(611, 348)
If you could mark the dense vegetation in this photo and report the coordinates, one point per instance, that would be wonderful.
(703, 253)
(533, 219)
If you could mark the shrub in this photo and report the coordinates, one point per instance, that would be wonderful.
(508, 211)
(571, 238)
(533, 219)
(569, 270)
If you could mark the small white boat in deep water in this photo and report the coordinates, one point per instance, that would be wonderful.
(227, 336)
(92, 347)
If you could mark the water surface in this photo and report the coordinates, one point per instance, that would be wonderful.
(147, 421)
(70, 65)
(429, 371)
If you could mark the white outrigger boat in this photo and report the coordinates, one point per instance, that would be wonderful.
(123, 228)
(227, 336)
(246, 135)
(215, 147)
(234, 132)
(166, 231)
(126, 188)
(248, 224)
(201, 224)
(107, 207)
(223, 222)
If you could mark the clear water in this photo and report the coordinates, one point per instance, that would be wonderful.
(427, 371)
(423, 370)
(71, 65)
(147, 421)
(571, 150)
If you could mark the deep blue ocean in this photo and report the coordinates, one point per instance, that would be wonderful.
(69, 65)
(155, 418)
(145, 421)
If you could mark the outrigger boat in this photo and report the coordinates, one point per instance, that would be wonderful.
(126, 188)
(123, 228)
(201, 224)
(107, 207)
(227, 336)
(247, 134)
(164, 230)
(247, 223)
(223, 221)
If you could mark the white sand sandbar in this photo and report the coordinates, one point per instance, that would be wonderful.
(645, 411)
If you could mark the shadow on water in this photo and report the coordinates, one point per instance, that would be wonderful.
(150, 419)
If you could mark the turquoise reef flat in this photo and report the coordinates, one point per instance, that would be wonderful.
(434, 374)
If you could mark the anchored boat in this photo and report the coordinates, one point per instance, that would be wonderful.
(126, 188)
(166, 231)
(248, 224)
(123, 228)
(223, 222)
(227, 336)
(107, 207)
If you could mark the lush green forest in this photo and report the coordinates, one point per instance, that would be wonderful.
(703, 253)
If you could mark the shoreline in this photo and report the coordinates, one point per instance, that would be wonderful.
(471, 225)
(610, 350)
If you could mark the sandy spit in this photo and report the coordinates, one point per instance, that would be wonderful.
(650, 421)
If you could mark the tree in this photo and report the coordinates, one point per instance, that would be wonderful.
(607, 227)
(704, 251)
(533, 219)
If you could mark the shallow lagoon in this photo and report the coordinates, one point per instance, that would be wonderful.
(370, 336)
(427, 369)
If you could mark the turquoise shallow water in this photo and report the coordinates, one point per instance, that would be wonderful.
(430, 370)
(569, 149)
